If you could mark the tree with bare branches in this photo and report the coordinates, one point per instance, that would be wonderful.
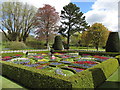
(17, 19)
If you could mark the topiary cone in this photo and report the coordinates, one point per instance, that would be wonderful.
(113, 42)
(57, 43)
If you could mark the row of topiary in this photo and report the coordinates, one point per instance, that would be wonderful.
(32, 78)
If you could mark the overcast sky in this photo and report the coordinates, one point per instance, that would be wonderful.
(101, 11)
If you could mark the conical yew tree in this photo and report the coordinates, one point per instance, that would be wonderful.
(58, 43)
(113, 42)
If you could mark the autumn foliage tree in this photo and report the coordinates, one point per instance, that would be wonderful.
(46, 22)
(98, 35)
(85, 38)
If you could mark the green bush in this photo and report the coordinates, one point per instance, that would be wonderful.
(36, 44)
(58, 43)
(113, 42)
(38, 78)
(17, 45)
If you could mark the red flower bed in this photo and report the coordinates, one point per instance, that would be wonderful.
(18, 55)
(85, 62)
(96, 56)
(6, 58)
(38, 57)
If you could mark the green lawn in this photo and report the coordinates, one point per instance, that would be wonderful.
(113, 81)
(85, 48)
(6, 83)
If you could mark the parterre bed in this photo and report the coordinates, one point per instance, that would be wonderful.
(60, 70)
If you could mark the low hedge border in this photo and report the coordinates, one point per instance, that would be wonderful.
(69, 51)
(21, 53)
(100, 53)
(37, 78)
(93, 77)
(33, 78)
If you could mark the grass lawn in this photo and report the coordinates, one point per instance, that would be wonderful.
(113, 81)
(85, 48)
(6, 83)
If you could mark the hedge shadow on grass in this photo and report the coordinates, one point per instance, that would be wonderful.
(97, 76)
(110, 84)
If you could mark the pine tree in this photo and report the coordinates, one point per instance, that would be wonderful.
(72, 21)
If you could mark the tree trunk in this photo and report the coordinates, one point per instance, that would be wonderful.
(87, 48)
(68, 38)
(5, 34)
(47, 41)
(96, 48)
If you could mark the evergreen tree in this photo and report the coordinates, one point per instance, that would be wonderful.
(72, 21)
(58, 43)
(113, 42)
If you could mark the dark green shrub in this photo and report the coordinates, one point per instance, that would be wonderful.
(58, 43)
(36, 44)
(17, 45)
(113, 42)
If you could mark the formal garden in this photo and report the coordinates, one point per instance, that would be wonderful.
(39, 53)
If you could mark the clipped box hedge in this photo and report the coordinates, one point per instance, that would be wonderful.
(21, 53)
(37, 78)
(100, 53)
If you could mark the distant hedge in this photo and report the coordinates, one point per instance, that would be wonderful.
(14, 45)
(37, 78)
(36, 44)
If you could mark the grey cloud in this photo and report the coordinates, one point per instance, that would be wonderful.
(95, 18)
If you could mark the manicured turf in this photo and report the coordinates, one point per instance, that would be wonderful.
(85, 48)
(6, 83)
(113, 81)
